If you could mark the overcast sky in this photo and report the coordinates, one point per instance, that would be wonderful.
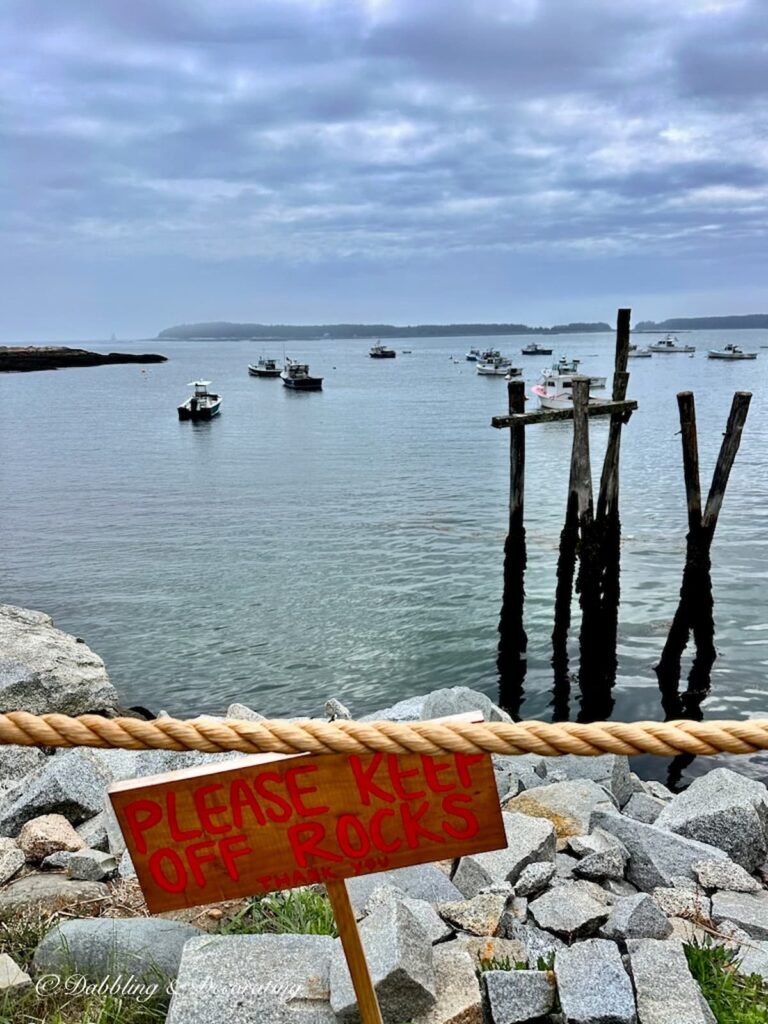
(404, 161)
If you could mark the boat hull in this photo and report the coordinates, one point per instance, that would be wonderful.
(303, 384)
(256, 371)
(562, 400)
(730, 357)
(670, 350)
(382, 355)
(206, 413)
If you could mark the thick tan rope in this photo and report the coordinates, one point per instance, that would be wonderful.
(431, 737)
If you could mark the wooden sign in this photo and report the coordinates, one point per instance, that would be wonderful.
(273, 821)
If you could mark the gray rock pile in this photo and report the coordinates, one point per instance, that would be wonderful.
(581, 918)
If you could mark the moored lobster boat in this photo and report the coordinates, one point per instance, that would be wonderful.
(670, 344)
(202, 404)
(265, 368)
(379, 351)
(731, 352)
(496, 366)
(297, 376)
(534, 349)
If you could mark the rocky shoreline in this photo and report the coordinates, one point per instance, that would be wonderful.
(587, 917)
(27, 358)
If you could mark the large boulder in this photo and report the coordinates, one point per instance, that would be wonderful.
(725, 810)
(49, 893)
(71, 784)
(419, 882)
(656, 857)
(666, 992)
(609, 770)
(636, 917)
(749, 911)
(48, 834)
(400, 961)
(254, 979)
(16, 762)
(458, 989)
(570, 911)
(592, 984)
(44, 670)
(568, 805)
(454, 700)
(145, 948)
(528, 840)
(516, 997)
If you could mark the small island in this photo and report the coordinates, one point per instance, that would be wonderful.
(26, 358)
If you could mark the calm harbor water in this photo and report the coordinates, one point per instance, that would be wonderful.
(349, 543)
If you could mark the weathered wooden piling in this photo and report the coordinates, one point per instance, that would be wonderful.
(513, 640)
(695, 610)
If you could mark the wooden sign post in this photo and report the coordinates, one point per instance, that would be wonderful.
(271, 822)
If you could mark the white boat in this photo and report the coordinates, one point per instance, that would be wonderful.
(265, 368)
(732, 352)
(297, 376)
(202, 404)
(639, 353)
(496, 366)
(670, 344)
(556, 392)
(473, 355)
(565, 369)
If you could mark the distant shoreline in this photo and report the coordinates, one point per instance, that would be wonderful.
(226, 331)
(28, 358)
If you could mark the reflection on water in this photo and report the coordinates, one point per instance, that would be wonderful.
(350, 543)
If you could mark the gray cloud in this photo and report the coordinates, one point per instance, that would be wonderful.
(312, 130)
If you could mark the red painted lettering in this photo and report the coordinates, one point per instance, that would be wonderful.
(178, 834)
(142, 815)
(431, 772)
(176, 881)
(471, 824)
(229, 853)
(345, 827)
(463, 764)
(260, 785)
(413, 830)
(195, 858)
(206, 813)
(366, 787)
(240, 796)
(296, 791)
(397, 774)
(378, 839)
(304, 840)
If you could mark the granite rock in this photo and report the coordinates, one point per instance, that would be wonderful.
(666, 992)
(70, 784)
(517, 997)
(458, 989)
(491, 948)
(609, 770)
(57, 861)
(603, 865)
(254, 979)
(429, 919)
(686, 903)
(420, 882)
(50, 833)
(528, 840)
(91, 865)
(12, 978)
(569, 911)
(148, 948)
(536, 943)
(400, 962)
(643, 807)
(18, 762)
(534, 879)
(656, 857)
(592, 984)
(48, 893)
(94, 832)
(659, 790)
(11, 859)
(243, 713)
(746, 910)
(479, 915)
(44, 670)
(724, 874)
(636, 917)
(568, 805)
(725, 810)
